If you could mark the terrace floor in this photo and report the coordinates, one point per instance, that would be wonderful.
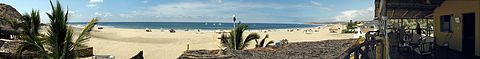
(438, 52)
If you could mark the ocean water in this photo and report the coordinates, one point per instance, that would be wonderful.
(194, 25)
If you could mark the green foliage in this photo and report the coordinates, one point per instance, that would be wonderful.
(31, 35)
(235, 41)
(350, 27)
(262, 42)
(32, 22)
(59, 35)
(60, 43)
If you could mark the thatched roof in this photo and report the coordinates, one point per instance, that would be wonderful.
(8, 13)
(407, 9)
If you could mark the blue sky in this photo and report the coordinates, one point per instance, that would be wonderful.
(252, 11)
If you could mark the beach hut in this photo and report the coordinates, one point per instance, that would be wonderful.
(457, 25)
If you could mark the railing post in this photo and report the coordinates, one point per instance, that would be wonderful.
(356, 54)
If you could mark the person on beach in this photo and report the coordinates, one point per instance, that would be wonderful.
(418, 29)
(148, 30)
(172, 31)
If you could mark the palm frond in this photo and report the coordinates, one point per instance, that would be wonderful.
(262, 42)
(30, 35)
(225, 41)
(84, 35)
(269, 42)
(35, 19)
(236, 41)
(60, 43)
(60, 36)
(250, 37)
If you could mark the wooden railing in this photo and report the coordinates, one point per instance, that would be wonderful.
(367, 49)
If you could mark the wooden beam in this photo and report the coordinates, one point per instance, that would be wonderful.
(419, 12)
(411, 18)
(428, 15)
(411, 5)
(393, 12)
(403, 16)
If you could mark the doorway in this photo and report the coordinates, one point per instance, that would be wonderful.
(468, 41)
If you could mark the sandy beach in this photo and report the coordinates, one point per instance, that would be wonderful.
(125, 43)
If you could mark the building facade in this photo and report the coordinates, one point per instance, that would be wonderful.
(457, 25)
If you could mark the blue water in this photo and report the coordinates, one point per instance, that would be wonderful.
(195, 25)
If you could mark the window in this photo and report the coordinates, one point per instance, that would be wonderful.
(445, 23)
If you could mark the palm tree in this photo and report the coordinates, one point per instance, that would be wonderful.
(59, 43)
(235, 41)
(31, 36)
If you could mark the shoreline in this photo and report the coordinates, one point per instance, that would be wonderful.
(196, 25)
(207, 30)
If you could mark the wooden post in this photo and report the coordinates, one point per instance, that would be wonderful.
(188, 46)
(356, 54)
(385, 36)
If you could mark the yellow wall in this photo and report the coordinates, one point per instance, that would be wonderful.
(456, 8)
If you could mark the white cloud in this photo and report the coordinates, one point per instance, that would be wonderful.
(73, 14)
(102, 14)
(97, 14)
(216, 1)
(95, 1)
(320, 5)
(4, 2)
(145, 1)
(211, 11)
(356, 15)
(219, 1)
(71, 11)
(206, 9)
(315, 3)
(91, 5)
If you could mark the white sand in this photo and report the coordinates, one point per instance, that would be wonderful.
(125, 43)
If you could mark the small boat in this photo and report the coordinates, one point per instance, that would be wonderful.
(213, 24)
(219, 23)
